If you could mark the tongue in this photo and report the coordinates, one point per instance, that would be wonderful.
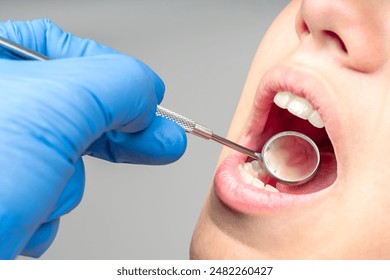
(326, 175)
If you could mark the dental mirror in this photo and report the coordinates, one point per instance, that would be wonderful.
(289, 157)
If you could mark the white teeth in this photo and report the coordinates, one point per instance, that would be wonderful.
(282, 99)
(315, 119)
(270, 188)
(250, 171)
(299, 107)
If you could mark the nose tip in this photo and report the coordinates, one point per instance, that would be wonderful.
(351, 31)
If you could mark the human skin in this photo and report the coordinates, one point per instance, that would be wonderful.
(336, 55)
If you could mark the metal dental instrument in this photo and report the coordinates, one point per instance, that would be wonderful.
(289, 157)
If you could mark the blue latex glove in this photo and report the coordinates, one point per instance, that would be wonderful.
(88, 100)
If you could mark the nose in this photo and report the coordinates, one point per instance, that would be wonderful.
(351, 31)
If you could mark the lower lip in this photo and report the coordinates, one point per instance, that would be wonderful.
(244, 198)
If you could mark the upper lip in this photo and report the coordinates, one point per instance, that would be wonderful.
(227, 182)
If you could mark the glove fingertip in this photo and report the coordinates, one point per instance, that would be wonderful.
(175, 142)
(159, 86)
(169, 142)
(41, 240)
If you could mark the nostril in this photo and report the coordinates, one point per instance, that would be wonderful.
(305, 28)
(336, 39)
(301, 27)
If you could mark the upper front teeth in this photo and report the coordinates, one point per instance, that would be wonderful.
(299, 107)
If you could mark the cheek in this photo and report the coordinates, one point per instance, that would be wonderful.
(366, 129)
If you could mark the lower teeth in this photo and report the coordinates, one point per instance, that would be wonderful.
(251, 172)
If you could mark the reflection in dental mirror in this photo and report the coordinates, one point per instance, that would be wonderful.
(291, 157)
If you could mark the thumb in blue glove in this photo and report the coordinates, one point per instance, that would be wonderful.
(88, 100)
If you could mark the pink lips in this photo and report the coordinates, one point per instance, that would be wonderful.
(228, 185)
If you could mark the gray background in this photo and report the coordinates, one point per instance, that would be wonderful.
(202, 50)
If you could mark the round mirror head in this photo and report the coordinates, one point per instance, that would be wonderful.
(291, 157)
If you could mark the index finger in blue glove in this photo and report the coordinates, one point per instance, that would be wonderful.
(45, 37)
(83, 97)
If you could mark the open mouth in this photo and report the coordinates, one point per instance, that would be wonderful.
(286, 100)
(293, 113)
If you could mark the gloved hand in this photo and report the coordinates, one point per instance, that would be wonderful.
(88, 99)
